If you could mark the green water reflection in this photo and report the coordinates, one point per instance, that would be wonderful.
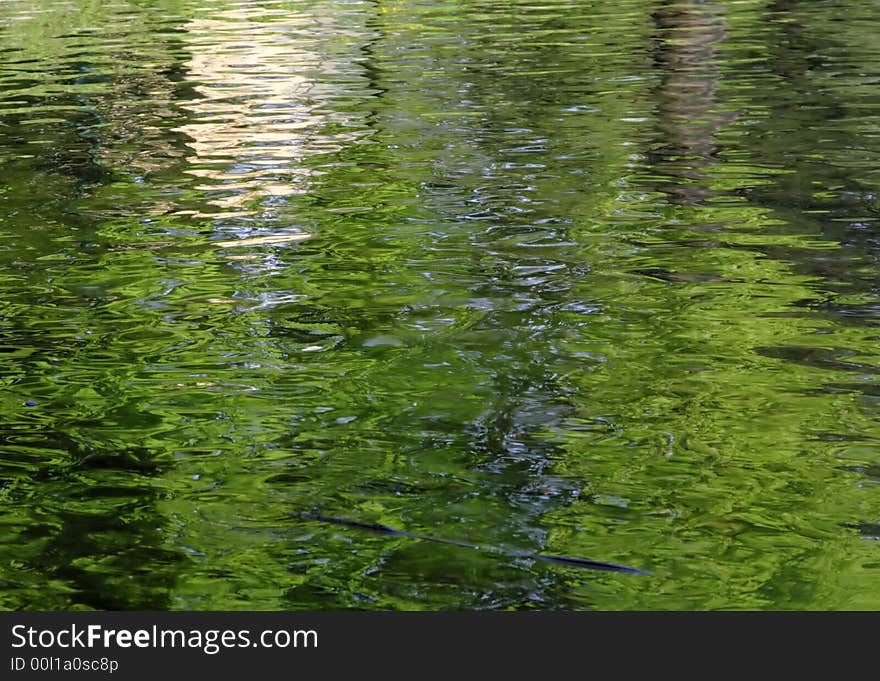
(595, 279)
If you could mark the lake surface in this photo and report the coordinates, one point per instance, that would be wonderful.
(596, 279)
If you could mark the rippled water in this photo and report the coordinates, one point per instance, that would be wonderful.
(596, 279)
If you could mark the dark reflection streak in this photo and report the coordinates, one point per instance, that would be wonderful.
(799, 52)
(113, 557)
(688, 32)
(824, 197)
(371, 69)
(819, 195)
(561, 560)
(94, 553)
(793, 57)
(71, 158)
(91, 553)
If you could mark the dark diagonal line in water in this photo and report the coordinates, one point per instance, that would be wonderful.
(559, 560)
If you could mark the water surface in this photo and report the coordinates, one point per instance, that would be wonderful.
(585, 278)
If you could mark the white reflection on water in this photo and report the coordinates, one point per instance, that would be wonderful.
(274, 86)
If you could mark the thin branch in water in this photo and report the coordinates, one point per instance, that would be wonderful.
(569, 561)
